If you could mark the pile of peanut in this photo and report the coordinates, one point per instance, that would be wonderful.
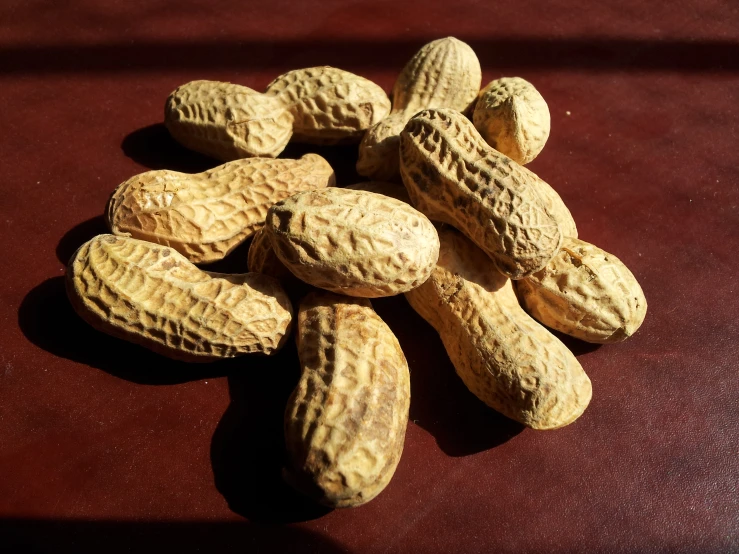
(480, 246)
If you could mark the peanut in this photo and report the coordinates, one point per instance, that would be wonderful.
(353, 242)
(262, 258)
(444, 73)
(206, 215)
(345, 422)
(587, 293)
(513, 118)
(152, 296)
(329, 105)
(453, 176)
(505, 358)
(227, 121)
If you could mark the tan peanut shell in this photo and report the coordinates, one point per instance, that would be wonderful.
(454, 177)
(345, 422)
(513, 117)
(151, 295)
(227, 121)
(444, 73)
(206, 215)
(353, 242)
(587, 293)
(329, 105)
(505, 358)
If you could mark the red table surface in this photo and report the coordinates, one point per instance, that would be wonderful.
(105, 447)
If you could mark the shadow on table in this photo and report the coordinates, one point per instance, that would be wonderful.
(440, 402)
(248, 446)
(154, 148)
(31, 536)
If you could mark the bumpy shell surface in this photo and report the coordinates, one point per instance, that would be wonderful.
(393, 190)
(206, 215)
(353, 242)
(444, 73)
(152, 296)
(504, 357)
(587, 293)
(345, 422)
(227, 121)
(513, 118)
(329, 105)
(453, 176)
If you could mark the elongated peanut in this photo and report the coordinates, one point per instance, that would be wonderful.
(345, 422)
(454, 177)
(329, 105)
(444, 73)
(353, 242)
(227, 121)
(505, 358)
(587, 293)
(206, 215)
(152, 296)
(513, 118)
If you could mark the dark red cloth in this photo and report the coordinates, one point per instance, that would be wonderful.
(105, 447)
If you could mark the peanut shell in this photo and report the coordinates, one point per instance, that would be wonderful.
(587, 293)
(513, 117)
(454, 177)
(353, 242)
(444, 73)
(227, 121)
(206, 215)
(505, 358)
(329, 105)
(152, 296)
(345, 422)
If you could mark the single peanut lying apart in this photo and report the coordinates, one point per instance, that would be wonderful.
(345, 422)
(587, 293)
(152, 296)
(454, 176)
(505, 358)
(206, 215)
(444, 73)
(227, 121)
(353, 242)
(513, 118)
(329, 105)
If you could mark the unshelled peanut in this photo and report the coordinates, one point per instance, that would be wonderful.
(151, 295)
(509, 361)
(329, 105)
(587, 293)
(345, 422)
(454, 176)
(444, 73)
(513, 117)
(227, 121)
(353, 242)
(393, 190)
(206, 215)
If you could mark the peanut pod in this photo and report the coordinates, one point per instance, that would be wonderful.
(353, 242)
(152, 296)
(505, 358)
(345, 422)
(587, 293)
(206, 215)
